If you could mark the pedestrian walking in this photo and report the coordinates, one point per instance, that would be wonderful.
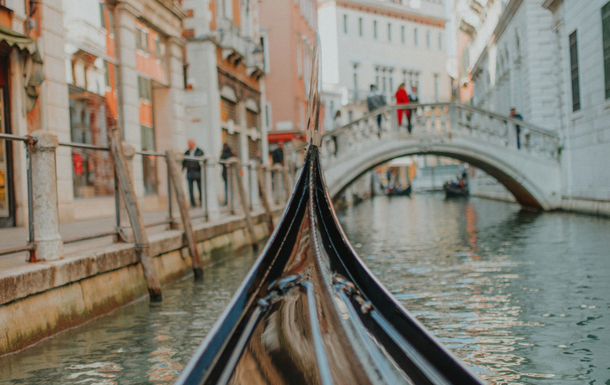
(403, 98)
(413, 99)
(278, 154)
(227, 152)
(515, 115)
(193, 171)
(374, 101)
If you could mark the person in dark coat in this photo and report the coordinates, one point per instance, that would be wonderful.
(375, 100)
(403, 98)
(514, 114)
(277, 156)
(193, 170)
(227, 152)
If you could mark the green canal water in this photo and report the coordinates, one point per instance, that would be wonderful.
(521, 297)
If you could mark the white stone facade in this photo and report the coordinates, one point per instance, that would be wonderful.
(586, 131)
(368, 42)
(522, 59)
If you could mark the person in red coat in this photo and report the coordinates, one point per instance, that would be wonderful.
(403, 98)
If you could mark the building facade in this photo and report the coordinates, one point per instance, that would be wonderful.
(551, 61)
(125, 58)
(581, 48)
(384, 43)
(225, 85)
(289, 35)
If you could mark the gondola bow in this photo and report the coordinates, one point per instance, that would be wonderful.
(310, 311)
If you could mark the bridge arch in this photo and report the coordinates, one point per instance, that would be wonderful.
(534, 183)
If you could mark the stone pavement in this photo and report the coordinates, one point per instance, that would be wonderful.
(15, 237)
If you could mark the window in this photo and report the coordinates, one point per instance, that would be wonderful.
(428, 39)
(402, 35)
(102, 15)
(574, 71)
(299, 56)
(110, 21)
(436, 88)
(7, 3)
(144, 88)
(355, 82)
(141, 39)
(375, 29)
(345, 24)
(360, 27)
(227, 9)
(107, 74)
(440, 41)
(377, 77)
(389, 32)
(415, 40)
(159, 47)
(606, 44)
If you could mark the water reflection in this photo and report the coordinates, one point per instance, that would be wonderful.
(520, 296)
(140, 343)
(524, 298)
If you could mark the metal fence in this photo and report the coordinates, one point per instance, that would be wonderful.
(279, 191)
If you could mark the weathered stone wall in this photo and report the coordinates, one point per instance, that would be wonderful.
(39, 300)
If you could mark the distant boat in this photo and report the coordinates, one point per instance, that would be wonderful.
(455, 191)
(311, 312)
(399, 191)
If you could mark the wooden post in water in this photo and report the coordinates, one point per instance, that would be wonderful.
(135, 216)
(243, 198)
(174, 173)
(263, 189)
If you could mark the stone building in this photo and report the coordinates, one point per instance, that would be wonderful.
(385, 43)
(94, 56)
(551, 61)
(289, 33)
(581, 98)
(30, 34)
(225, 97)
(125, 57)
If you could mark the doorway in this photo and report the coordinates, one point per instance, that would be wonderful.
(7, 198)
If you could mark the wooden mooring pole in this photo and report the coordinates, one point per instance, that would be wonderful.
(243, 198)
(263, 189)
(189, 234)
(135, 216)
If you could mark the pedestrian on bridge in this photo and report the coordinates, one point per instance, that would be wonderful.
(515, 115)
(374, 101)
(193, 170)
(403, 98)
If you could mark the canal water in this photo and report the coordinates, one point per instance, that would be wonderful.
(521, 297)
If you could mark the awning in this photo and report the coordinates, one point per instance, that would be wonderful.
(284, 136)
(15, 39)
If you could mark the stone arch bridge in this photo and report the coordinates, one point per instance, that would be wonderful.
(484, 139)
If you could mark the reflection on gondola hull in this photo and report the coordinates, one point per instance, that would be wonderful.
(310, 312)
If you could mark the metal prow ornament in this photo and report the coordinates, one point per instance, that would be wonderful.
(315, 90)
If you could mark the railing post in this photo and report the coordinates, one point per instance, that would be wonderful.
(453, 117)
(394, 129)
(212, 175)
(48, 242)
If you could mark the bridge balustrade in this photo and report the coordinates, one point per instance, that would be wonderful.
(435, 122)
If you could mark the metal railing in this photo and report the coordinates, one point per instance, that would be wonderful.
(119, 231)
(29, 247)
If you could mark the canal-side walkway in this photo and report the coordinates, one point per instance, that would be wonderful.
(97, 276)
(17, 236)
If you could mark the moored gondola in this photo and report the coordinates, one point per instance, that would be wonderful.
(397, 191)
(311, 312)
(455, 191)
